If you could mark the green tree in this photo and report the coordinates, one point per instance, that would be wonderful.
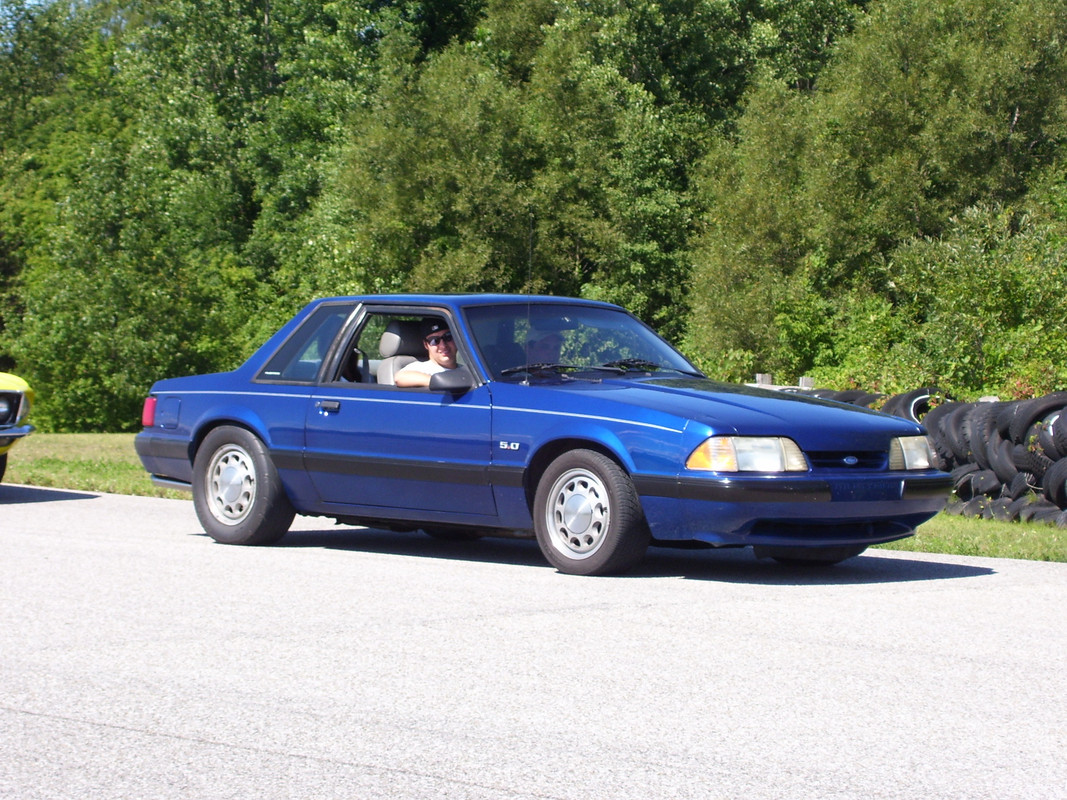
(926, 110)
(167, 199)
(40, 46)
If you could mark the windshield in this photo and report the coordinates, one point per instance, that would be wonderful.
(523, 341)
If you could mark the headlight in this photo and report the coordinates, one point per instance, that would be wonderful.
(13, 407)
(747, 454)
(910, 452)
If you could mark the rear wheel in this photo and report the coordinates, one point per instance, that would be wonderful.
(237, 493)
(587, 516)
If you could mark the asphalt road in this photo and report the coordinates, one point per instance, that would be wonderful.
(139, 659)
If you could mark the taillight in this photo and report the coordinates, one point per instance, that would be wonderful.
(148, 413)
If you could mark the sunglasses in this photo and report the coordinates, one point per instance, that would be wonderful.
(435, 340)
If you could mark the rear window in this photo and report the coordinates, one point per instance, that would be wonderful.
(300, 358)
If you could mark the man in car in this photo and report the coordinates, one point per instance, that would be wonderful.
(544, 350)
(437, 340)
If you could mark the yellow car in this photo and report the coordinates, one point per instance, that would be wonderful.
(15, 399)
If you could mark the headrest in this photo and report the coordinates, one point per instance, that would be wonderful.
(401, 338)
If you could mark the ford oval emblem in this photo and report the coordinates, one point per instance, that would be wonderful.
(851, 461)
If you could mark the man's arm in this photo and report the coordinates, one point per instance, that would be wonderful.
(412, 375)
(416, 373)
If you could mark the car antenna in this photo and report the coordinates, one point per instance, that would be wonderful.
(529, 283)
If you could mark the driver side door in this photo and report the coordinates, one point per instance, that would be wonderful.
(398, 453)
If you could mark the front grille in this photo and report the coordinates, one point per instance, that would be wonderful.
(847, 459)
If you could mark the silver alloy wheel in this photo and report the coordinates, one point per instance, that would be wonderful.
(578, 513)
(231, 484)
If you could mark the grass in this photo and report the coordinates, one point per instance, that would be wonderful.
(92, 462)
(107, 462)
(966, 536)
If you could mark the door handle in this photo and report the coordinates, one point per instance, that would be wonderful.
(328, 405)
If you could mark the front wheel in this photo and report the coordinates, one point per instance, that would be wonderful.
(587, 516)
(237, 493)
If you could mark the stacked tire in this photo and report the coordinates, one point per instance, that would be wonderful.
(1008, 459)
(913, 405)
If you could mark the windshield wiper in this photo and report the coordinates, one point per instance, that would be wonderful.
(643, 365)
(632, 365)
(541, 366)
(620, 367)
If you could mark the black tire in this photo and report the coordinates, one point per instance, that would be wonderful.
(1001, 459)
(954, 507)
(1006, 416)
(962, 481)
(892, 406)
(1046, 435)
(933, 422)
(937, 412)
(1031, 411)
(1004, 510)
(956, 432)
(1055, 483)
(1047, 513)
(980, 426)
(1021, 485)
(3, 465)
(985, 482)
(915, 405)
(1018, 506)
(868, 400)
(1026, 460)
(587, 516)
(237, 493)
(811, 556)
(850, 395)
(1029, 512)
(1059, 436)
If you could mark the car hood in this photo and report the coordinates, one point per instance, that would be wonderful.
(738, 409)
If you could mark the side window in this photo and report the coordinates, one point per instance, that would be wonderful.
(370, 335)
(300, 358)
(362, 358)
(362, 354)
(359, 362)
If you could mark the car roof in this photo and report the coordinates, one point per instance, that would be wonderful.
(461, 300)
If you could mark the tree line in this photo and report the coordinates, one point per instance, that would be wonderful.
(870, 192)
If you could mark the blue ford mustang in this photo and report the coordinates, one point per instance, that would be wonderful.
(569, 419)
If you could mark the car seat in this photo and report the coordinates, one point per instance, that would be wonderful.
(401, 343)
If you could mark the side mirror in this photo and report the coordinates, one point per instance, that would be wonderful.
(454, 381)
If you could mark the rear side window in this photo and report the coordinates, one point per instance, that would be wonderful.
(300, 358)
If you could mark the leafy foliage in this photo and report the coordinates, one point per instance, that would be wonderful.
(928, 116)
(868, 191)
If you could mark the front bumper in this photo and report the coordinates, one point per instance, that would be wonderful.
(806, 512)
